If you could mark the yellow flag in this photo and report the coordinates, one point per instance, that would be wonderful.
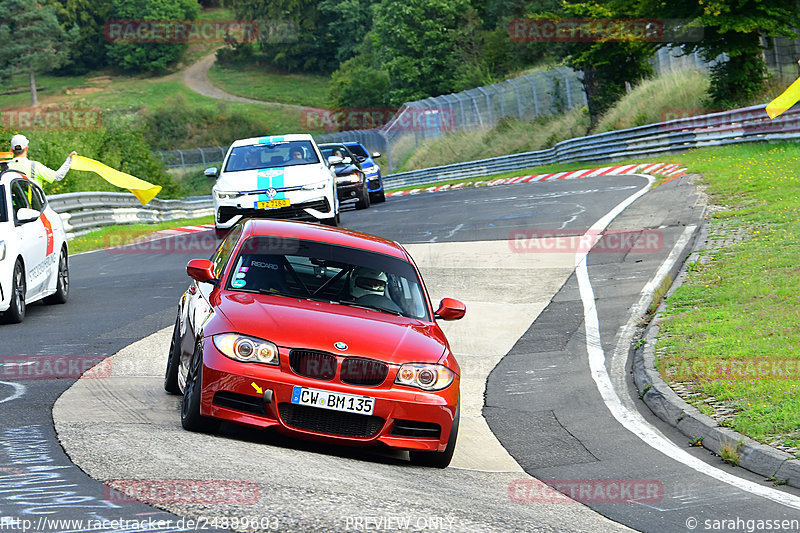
(786, 100)
(141, 189)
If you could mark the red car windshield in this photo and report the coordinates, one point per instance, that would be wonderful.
(321, 271)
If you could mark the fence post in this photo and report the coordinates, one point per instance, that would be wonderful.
(569, 93)
(488, 103)
(519, 100)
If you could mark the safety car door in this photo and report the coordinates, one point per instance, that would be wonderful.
(31, 237)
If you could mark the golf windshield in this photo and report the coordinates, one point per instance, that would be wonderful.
(282, 154)
(321, 271)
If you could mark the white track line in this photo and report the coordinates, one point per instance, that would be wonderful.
(19, 391)
(632, 420)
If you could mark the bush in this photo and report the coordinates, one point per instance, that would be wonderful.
(120, 145)
(149, 57)
(179, 124)
(357, 84)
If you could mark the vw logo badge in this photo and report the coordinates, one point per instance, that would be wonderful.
(271, 192)
(340, 346)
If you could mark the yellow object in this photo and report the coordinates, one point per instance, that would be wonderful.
(257, 388)
(141, 189)
(6, 155)
(786, 100)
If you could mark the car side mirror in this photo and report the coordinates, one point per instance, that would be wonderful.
(376, 154)
(25, 215)
(335, 160)
(211, 172)
(450, 309)
(201, 270)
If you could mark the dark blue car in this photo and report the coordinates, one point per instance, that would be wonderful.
(371, 169)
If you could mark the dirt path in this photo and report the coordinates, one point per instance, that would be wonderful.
(196, 78)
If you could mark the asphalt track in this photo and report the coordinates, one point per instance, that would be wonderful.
(542, 401)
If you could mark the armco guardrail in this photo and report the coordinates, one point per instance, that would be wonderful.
(749, 124)
(85, 211)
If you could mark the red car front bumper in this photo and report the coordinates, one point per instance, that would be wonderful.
(403, 417)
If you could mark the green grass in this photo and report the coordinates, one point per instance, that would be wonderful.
(114, 235)
(663, 98)
(745, 303)
(260, 84)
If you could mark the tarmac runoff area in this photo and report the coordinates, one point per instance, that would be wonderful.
(125, 427)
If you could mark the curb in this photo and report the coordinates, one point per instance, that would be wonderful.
(672, 170)
(759, 458)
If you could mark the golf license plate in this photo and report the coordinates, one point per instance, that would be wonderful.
(335, 401)
(272, 204)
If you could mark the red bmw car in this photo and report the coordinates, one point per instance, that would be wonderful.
(321, 333)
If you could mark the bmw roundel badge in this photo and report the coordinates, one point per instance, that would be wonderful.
(340, 346)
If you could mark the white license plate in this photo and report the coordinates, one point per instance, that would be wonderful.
(335, 401)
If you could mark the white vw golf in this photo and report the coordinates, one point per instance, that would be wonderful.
(33, 248)
(279, 176)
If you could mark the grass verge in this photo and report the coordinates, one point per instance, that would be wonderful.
(737, 318)
(113, 235)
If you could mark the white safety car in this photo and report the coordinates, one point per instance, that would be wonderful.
(34, 260)
(278, 176)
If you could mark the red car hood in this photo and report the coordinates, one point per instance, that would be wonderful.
(292, 323)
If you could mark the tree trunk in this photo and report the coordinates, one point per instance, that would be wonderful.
(34, 100)
(590, 86)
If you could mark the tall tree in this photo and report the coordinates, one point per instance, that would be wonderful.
(416, 42)
(33, 40)
(89, 49)
(608, 61)
(733, 28)
(302, 44)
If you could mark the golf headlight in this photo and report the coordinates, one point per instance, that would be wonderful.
(2, 250)
(425, 376)
(246, 349)
(315, 186)
(227, 195)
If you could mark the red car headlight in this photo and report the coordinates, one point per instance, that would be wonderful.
(425, 376)
(246, 349)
